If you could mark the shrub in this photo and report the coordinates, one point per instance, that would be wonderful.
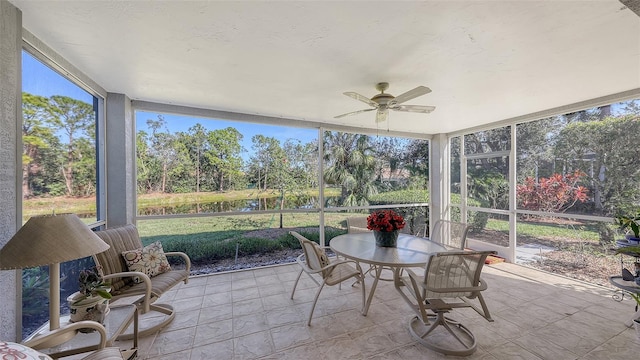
(478, 220)
(557, 193)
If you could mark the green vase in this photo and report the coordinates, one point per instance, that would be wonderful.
(386, 238)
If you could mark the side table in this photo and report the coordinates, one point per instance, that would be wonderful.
(629, 287)
(116, 322)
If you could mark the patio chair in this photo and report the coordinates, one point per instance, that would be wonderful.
(451, 234)
(313, 260)
(451, 280)
(357, 225)
(146, 290)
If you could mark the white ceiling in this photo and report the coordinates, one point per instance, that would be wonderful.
(485, 61)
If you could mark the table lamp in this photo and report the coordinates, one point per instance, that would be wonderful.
(50, 240)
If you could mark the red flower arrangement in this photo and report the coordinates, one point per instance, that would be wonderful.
(385, 220)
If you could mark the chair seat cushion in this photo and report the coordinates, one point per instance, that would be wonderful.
(150, 260)
(159, 284)
(340, 273)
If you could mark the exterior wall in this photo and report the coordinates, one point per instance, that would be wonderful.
(120, 154)
(10, 150)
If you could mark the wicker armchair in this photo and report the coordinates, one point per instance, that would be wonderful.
(147, 290)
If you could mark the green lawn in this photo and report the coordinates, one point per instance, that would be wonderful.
(585, 231)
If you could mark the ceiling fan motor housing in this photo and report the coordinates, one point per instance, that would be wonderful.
(382, 99)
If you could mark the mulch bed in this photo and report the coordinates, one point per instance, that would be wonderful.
(579, 260)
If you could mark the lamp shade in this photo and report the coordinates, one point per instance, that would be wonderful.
(50, 239)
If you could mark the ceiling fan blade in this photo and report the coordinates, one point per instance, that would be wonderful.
(414, 108)
(382, 115)
(352, 113)
(411, 94)
(362, 98)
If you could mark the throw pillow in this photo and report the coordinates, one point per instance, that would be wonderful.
(150, 260)
(11, 350)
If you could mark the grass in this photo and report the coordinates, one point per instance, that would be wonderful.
(548, 230)
(215, 238)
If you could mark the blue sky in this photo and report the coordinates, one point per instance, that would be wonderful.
(177, 123)
(38, 79)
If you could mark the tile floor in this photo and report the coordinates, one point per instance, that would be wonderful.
(249, 315)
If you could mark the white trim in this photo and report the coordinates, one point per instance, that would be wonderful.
(561, 110)
(263, 119)
(59, 64)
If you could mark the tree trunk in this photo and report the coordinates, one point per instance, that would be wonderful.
(164, 177)
(26, 190)
(281, 207)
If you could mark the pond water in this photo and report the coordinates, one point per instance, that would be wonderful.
(303, 202)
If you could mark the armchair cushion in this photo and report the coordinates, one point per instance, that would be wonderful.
(149, 260)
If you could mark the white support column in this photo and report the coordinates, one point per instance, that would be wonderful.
(439, 179)
(511, 251)
(10, 162)
(121, 161)
(323, 241)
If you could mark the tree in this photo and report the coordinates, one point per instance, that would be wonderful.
(536, 141)
(264, 164)
(607, 152)
(487, 175)
(144, 163)
(224, 156)
(351, 165)
(35, 114)
(162, 149)
(76, 119)
(390, 153)
(417, 154)
(197, 147)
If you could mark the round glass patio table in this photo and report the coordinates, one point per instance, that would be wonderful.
(411, 251)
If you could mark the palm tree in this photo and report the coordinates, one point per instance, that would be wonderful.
(351, 165)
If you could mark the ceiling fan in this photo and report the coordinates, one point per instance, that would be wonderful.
(383, 102)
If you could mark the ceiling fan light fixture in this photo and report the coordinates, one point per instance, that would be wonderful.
(382, 114)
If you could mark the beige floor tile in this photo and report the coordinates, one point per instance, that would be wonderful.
(245, 294)
(190, 292)
(249, 315)
(544, 349)
(248, 324)
(252, 346)
(217, 298)
(215, 313)
(246, 307)
(188, 304)
(211, 332)
(341, 347)
(243, 283)
(222, 350)
(171, 342)
(290, 335)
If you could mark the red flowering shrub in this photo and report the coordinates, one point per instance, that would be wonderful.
(385, 220)
(556, 193)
